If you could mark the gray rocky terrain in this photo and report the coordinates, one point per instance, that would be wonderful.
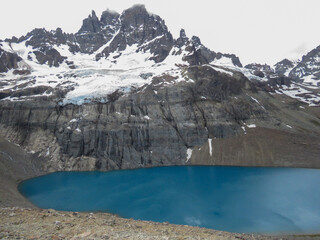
(242, 122)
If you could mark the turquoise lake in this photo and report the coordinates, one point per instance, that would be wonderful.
(236, 199)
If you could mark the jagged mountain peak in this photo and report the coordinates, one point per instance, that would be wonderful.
(183, 39)
(286, 61)
(307, 70)
(138, 16)
(136, 9)
(196, 41)
(135, 41)
(108, 17)
(284, 67)
(114, 32)
(109, 11)
(91, 24)
(183, 34)
(138, 27)
(93, 14)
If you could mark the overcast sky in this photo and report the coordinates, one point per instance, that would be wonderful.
(263, 31)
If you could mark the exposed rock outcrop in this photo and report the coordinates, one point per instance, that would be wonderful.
(156, 126)
(49, 56)
(146, 30)
(8, 60)
(309, 65)
(284, 66)
(260, 70)
(94, 32)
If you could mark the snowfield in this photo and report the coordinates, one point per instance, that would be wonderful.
(123, 71)
(93, 79)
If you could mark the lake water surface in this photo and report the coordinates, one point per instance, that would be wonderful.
(236, 199)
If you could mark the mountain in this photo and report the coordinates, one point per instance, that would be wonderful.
(123, 93)
(285, 66)
(8, 59)
(298, 79)
(308, 69)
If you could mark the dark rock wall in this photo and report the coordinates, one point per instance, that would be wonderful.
(8, 60)
(153, 127)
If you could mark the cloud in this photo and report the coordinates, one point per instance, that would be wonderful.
(301, 49)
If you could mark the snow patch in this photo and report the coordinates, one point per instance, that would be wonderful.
(107, 44)
(48, 152)
(220, 70)
(256, 101)
(6, 47)
(302, 93)
(189, 154)
(73, 120)
(210, 146)
(223, 61)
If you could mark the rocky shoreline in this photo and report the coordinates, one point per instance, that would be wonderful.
(27, 223)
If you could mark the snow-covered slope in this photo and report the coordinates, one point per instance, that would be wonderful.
(308, 69)
(116, 53)
(123, 52)
(285, 66)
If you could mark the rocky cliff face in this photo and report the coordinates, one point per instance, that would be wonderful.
(122, 93)
(94, 32)
(160, 125)
(284, 67)
(8, 60)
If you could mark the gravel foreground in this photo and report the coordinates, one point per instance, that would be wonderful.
(29, 223)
